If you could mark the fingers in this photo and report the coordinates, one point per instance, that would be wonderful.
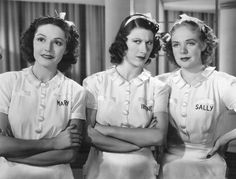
(213, 150)
(211, 153)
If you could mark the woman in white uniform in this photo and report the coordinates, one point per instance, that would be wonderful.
(199, 95)
(41, 110)
(127, 108)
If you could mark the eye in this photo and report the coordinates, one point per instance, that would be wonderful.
(149, 42)
(40, 39)
(191, 43)
(175, 45)
(58, 43)
(137, 41)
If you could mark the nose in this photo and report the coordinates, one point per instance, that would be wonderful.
(183, 49)
(48, 46)
(143, 48)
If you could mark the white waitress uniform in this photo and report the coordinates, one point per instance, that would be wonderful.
(195, 110)
(38, 110)
(125, 104)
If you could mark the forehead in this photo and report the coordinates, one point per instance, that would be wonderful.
(185, 32)
(140, 33)
(50, 30)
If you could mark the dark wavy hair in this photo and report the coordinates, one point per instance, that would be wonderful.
(119, 46)
(206, 35)
(72, 39)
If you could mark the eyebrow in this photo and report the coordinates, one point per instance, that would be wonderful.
(186, 40)
(46, 36)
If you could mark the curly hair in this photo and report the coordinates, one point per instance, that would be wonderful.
(72, 39)
(119, 46)
(206, 35)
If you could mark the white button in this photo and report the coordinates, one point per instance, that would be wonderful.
(186, 94)
(184, 114)
(42, 106)
(41, 119)
(183, 127)
(38, 130)
(184, 104)
(125, 112)
(126, 102)
(43, 95)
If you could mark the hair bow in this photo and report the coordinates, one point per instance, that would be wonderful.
(62, 15)
(184, 18)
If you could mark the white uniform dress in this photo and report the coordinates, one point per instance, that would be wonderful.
(125, 104)
(38, 110)
(195, 113)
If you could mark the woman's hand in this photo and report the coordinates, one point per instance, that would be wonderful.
(68, 138)
(220, 146)
(153, 123)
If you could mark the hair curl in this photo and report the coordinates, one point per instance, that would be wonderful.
(72, 39)
(206, 35)
(119, 46)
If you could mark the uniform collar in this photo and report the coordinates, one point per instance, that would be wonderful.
(54, 82)
(180, 82)
(140, 79)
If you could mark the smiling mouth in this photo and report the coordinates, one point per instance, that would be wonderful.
(142, 58)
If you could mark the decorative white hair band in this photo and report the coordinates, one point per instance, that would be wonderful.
(146, 16)
(62, 15)
(184, 18)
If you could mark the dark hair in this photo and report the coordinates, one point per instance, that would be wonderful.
(206, 35)
(119, 46)
(72, 39)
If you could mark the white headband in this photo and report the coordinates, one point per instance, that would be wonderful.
(146, 16)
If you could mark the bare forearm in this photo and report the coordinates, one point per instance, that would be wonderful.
(142, 137)
(110, 144)
(13, 147)
(229, 136)
(53, 157)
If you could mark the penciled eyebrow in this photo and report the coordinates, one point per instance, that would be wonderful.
(57, 38)
(186, 40)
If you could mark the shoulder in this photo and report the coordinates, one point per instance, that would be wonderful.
(219, 76)
(98, 77)
(167, 77)
(160, 86)
(11, 76)
(75, 86)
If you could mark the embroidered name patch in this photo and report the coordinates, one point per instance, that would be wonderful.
(63, 103)
(204, 107)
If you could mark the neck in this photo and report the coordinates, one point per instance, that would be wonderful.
(190, 75)
(127, 72)
(43, 74)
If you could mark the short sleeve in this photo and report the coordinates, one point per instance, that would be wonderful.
(161, 96)
(91, 85)
(165, 77)
(6, 86)
(78, 110)
(227, 86)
